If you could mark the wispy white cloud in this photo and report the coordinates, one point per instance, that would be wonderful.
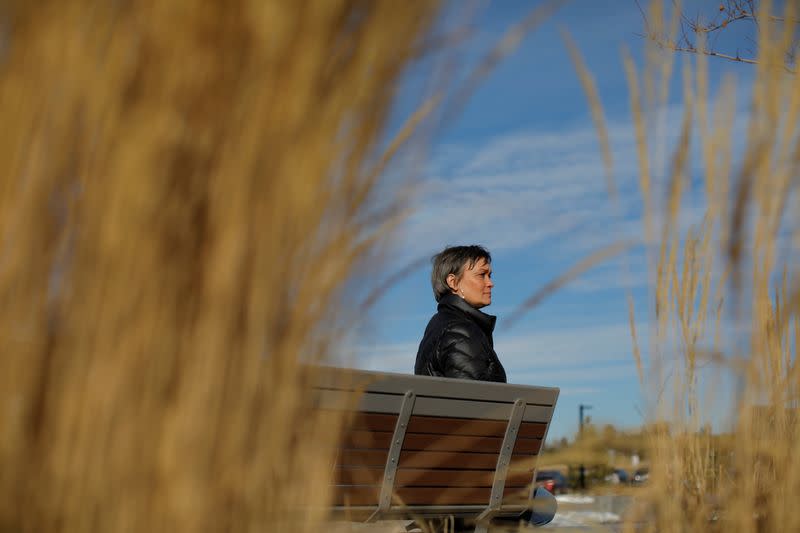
(579, 391)
(568, 346)
(611, 277)
(525, 190)
(517, 190)
(604, 375)
(544, 190)
(577, 355)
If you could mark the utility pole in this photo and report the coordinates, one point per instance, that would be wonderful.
(582, 471)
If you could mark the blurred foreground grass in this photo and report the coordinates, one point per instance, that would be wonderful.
(724, 309)
(724, 322)
(185, 188)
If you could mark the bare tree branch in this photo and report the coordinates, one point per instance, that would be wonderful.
(715, 24)
(644, 16)
(712, 53)
(775, 18)
(699, 28)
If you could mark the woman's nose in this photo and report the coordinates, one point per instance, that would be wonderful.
(489, 283)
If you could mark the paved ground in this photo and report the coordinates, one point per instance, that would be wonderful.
(576, 513)
(600, 513)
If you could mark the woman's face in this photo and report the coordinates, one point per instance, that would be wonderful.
(475, 284)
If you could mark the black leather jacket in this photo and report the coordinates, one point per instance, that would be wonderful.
(458, 344)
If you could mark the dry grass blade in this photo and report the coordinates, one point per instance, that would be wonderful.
(637, 113)
(598, 117)
(739, 478)
(505, 46)
(406, 131)
(184, 186)
(392, 280)
(572, 273)
(637, 351)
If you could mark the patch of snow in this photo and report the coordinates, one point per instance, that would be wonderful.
(561, 520)
(582, 518)
(574, 498)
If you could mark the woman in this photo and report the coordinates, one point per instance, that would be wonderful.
(458, 340)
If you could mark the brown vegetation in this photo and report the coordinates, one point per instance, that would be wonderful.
(725, 298)
(185, 189)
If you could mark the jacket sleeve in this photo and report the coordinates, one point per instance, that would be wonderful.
(461, 355)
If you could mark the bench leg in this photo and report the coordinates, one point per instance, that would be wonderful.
(483, 520)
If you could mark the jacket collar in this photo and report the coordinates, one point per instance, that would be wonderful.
(485, 321)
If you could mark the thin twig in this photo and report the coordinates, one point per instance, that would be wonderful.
(774, 18)
(644, 16)
(735, 11)
(697, 28)
(692, 50)
(576, 270)
(710, 53)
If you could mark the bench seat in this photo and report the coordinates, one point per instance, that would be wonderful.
(420, 446)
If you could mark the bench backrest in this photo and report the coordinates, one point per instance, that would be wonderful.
(422, 445)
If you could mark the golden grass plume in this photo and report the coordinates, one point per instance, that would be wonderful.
(183, 193)
(725, 297)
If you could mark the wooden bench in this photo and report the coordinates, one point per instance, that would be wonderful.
(422, 447)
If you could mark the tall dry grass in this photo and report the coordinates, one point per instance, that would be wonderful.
(726, 300)
(185, 187)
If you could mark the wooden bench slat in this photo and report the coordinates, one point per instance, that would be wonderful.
(434, 459)
(374, 422)
(393, 383)
(532, 430)
(450, 446)
(516, 494)
(457, 426)
(527, 446)
(458, 478)
(437, 459)
(446, 425)
(445, 443)
(462, 460)
(435, 424)
(424, 441)
(440, 407)
(463, 443)
(380, 440)
(429, 478)
(451, 443)
(420, 459)
(362, 458)
(363, 495)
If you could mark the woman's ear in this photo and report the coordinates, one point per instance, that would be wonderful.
(452, 282)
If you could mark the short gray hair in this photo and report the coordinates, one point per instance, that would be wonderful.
(453, 260)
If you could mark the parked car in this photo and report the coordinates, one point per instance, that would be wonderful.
(552, 480)
(641, 475)
(617, 476)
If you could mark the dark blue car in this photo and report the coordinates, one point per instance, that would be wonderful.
(552, 480)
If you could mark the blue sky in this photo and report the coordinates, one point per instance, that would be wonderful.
(519, 170)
